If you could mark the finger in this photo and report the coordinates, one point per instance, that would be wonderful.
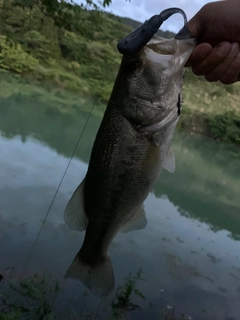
(199, 53)
(222, 68)
(232, 73)
(215, 57)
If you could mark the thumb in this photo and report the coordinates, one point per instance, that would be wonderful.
(194, 26)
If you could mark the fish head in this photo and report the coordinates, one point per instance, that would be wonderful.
(155, 73)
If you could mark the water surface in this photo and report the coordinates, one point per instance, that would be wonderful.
(190, 250)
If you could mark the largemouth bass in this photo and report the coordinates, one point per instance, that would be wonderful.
(132, 146)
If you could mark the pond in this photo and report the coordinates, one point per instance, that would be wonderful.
(189, 252)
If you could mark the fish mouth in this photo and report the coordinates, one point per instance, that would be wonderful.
(171, 54)
(162, 46)
(170, 46)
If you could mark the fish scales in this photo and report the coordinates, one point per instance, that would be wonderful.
(131, 148)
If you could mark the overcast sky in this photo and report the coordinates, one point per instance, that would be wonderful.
(142, 10)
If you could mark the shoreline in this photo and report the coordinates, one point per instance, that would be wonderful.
(221, 127)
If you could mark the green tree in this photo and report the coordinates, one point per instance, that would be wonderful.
(63, 12)
(67, 45)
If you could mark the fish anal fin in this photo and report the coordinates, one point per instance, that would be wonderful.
(137, 222)
(97, 276)
(74, 215)
(169, 161)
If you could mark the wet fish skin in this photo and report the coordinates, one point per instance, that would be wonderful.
(130, 149)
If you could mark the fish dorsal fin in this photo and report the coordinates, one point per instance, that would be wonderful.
(137, 222)
(169, 161)
(74, 215)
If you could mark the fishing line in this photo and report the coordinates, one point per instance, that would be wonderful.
(59, 185)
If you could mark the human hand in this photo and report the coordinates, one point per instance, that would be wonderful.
(217, 29)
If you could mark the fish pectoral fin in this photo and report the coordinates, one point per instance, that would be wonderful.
(74, 214)
(137, 222)
(169, 161)
(98, 276)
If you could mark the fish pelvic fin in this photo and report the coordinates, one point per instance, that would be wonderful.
(169, 161)
(74, 214)
(137, 222)
(97, 276)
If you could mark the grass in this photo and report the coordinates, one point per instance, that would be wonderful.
(55, 97)
(122, 302)
(209, 98)
(34, 298)
(29, 299)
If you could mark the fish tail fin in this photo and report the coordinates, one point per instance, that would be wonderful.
(97, 276)
(74, 214)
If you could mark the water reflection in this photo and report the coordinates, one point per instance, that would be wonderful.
(205, 185)
(190, 247)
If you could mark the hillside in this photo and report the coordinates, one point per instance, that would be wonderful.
(78, 54)
(133, 24)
